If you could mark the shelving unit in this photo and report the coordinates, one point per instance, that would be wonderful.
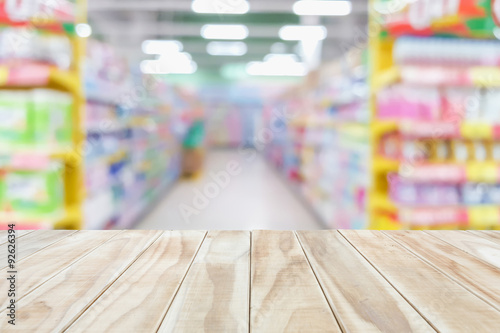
(324, 148)
(472, 21)
(32, 157)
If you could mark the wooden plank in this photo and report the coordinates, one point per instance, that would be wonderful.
(490, 235)
(214, 296)
(146, 289)
(33, 242)
(360, 297)
(445, 304)
(43, 265)
(472, 273)
(482, 248)
(61, 300)
(19, 233)
(285, 295)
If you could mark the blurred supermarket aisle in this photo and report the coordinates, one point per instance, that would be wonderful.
(256, 198)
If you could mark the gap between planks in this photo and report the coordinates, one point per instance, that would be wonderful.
(335, 315)
(84, 309)
(444, 311)
(392, 285)
(182, 281)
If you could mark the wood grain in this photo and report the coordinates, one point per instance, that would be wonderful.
(19, 233)
(472, 273)
(145, 290)
(285, 295)
(442, 301)
(360, 297)
(33, 242)
(214, 296)
(43, 265)
(484, 249)
(61, 300)
(490, 235)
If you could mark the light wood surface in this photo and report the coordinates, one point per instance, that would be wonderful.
(43, 265)
(472, 273)
(443, 302)
(31, 243)
(280, 269)
(491, 235)
(19, 233)
(362, 299)
(146, 289)
(214, 296)
(260, 281)
(480, 247)
(61, 300)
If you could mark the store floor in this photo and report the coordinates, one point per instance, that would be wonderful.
(256, 198)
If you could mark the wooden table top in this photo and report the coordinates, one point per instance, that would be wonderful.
(260, 281)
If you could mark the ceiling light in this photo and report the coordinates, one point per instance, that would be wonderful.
(161, 46)
(303, 32)
(234, 49)
(281, 57)
(277, 65)
(220, 7)
(322, 7)
(258, 68)
(224, 31)
(83, 30)
(168, 67)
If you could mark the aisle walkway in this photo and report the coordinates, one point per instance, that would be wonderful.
(253, 198)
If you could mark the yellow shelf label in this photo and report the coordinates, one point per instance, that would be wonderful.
(4, 75)
(476, 131)
(484, 217)
(482, 173)
(485, 76)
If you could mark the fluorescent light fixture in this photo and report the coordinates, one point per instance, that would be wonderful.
(303, 32)
(281, 57)
(224, 31)
(168, 67)
(259, 68)
(177, 57)
(234, 49)
(83, 30)
(220, 6)
(322, 7)
(161, 46)
(277, 65)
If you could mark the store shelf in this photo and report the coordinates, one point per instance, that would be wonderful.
(34, 75)
(384, 165)
(475, 217)
(476, 172)
(379, 201)
(386, 78)
(447, 130)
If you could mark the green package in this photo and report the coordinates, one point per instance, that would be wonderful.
(33, 192)
(15, 118)
(52, 113)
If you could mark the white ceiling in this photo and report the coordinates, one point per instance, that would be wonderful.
(126, 23)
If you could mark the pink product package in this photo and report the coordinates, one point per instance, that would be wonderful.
(402, 192)
(409, 102)
(96, 178)
(436, 195)
(412, 194)
(461, 104)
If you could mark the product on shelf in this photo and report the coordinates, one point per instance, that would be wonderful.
(17, 47)
(39, 117)
(437, 124)
(32, 193)
(325, 148)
